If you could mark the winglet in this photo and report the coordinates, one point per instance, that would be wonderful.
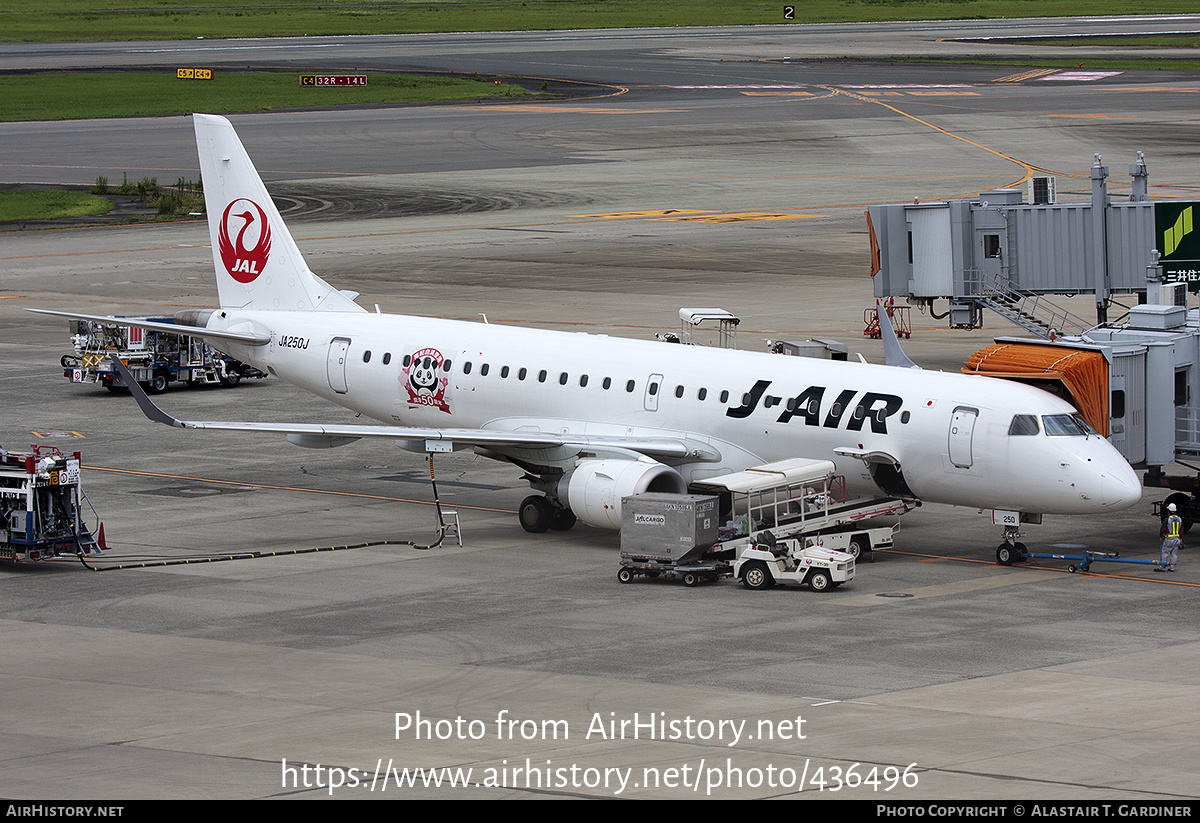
(893, 355)
(139, 394)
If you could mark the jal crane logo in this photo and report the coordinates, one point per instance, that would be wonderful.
(244, 262)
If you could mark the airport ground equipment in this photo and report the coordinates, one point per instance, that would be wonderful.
(901, 317)
(41, 506)
(769, 562)
(155, 358)
(671, 535)
(1082, 563)
(800, 498)
(997, 252)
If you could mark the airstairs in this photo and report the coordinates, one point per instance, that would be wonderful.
(1032, 312)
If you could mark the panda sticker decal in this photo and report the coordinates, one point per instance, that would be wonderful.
(425, 381)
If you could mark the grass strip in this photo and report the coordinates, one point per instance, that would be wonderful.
(81, 95)
(77, 20)
(48, 204)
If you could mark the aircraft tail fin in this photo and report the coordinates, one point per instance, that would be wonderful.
(258, 264)
(892, 353)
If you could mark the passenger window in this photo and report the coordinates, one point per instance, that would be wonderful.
(629, 386)
(582, 380)
(562, 379)
(504, 371)
(446, 366)
(679, 391)
(366, 357)
(703, 393)
(724, 398)
(607, 383)
(653, 389)
(542, 376)
(467, 367)
(1023, 425)
(407, 360)
(521, 373)
(483, 370)
(387, 358)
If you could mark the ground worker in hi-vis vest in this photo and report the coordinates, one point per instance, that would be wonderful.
(1168, 553)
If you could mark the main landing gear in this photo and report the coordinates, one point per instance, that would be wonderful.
(538, 514)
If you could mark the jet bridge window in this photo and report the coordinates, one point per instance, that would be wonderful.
(1023, 425)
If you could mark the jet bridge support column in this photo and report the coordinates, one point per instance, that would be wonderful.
(1100, 237)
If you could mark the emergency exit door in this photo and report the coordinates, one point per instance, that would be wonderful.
(339, 349)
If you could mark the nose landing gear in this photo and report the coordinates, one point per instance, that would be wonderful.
(1010, 551)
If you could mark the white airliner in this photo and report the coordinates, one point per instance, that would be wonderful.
(591, 418)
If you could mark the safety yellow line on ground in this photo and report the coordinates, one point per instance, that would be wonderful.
(1025, 75)
(54, 435)
(740, 217)
(617, 215)
(289, 488)
(1036, 568)
(1029, 168)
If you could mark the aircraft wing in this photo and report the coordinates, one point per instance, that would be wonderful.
(249, 338)
(325, 436)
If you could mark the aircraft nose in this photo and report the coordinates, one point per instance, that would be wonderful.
(1120, 487)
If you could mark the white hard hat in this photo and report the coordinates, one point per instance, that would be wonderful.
(1171, 508)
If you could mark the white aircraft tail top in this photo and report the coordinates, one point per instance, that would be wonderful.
(257, 262)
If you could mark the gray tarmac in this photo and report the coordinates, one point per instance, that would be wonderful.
(938, 672)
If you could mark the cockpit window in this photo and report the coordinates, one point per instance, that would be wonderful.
(1023, 424)
(1066, 425)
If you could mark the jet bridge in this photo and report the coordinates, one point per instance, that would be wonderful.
(998, 252)
(1137, 382)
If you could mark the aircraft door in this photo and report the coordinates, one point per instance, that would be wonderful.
(653, 389)
(962, 430)
(339, 349)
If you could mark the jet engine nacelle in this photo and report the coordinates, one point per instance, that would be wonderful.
(593, 490)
